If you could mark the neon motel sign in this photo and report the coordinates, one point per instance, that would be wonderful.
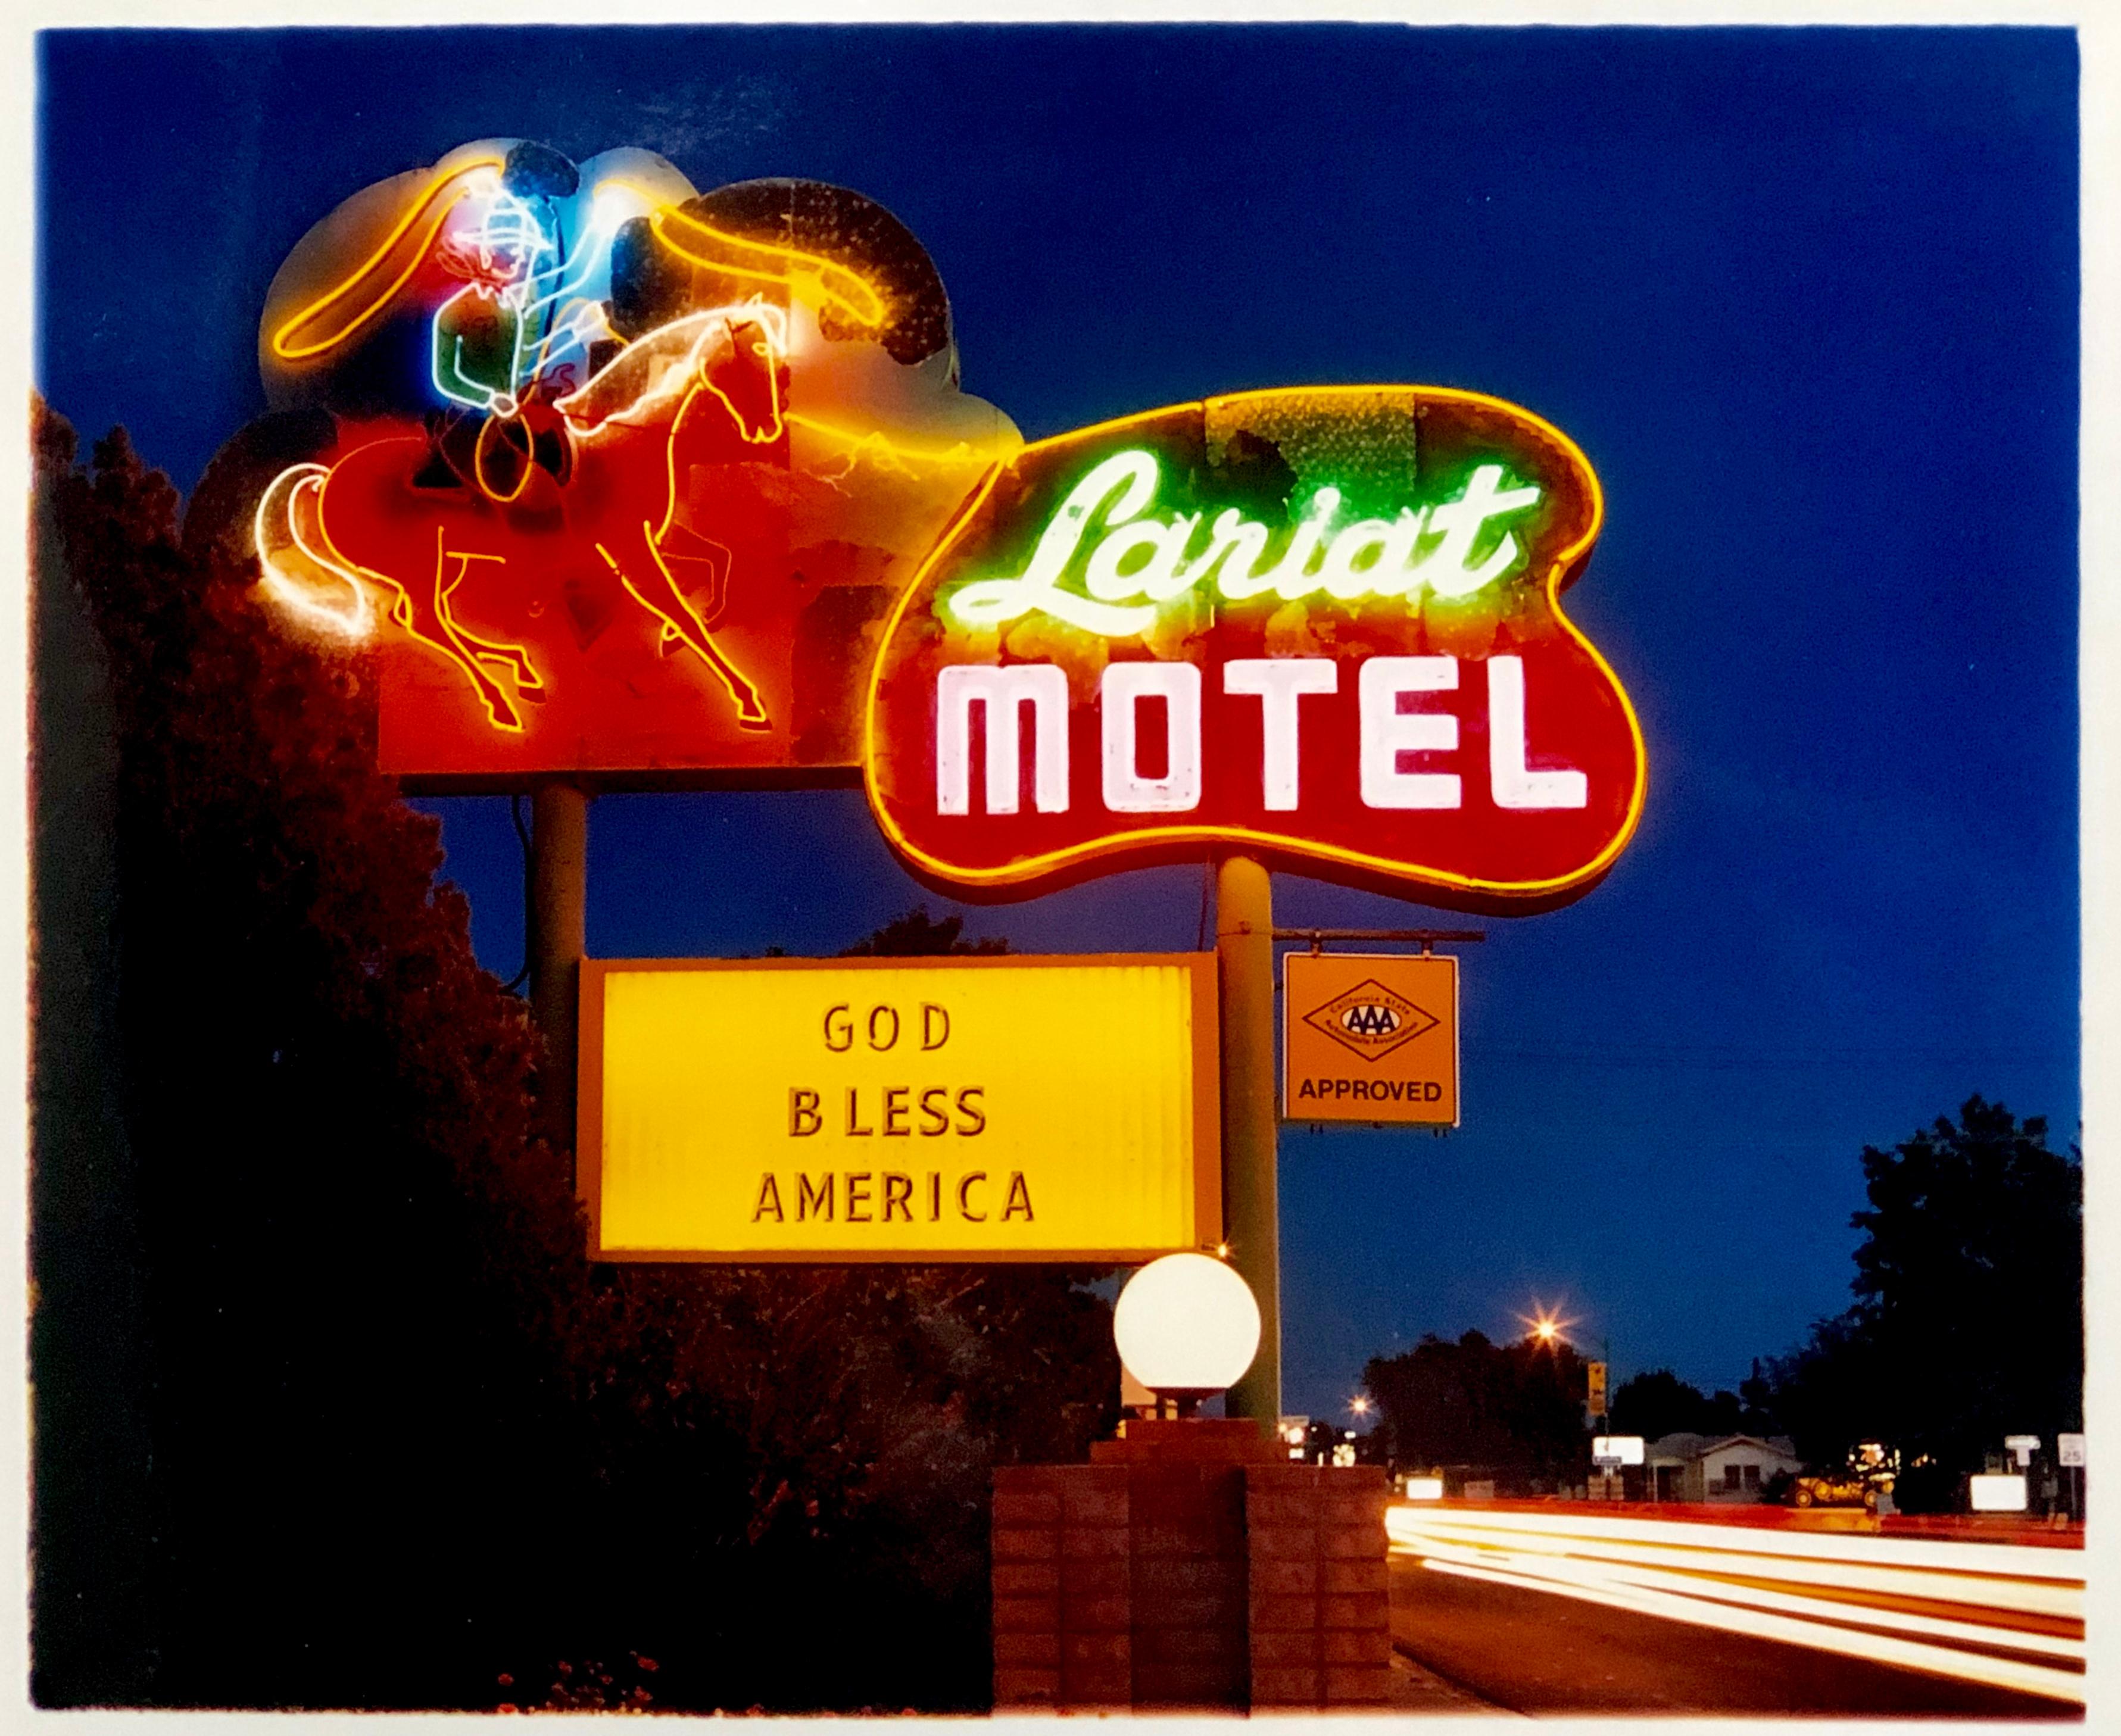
(1321, 625)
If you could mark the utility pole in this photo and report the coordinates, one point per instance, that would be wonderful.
(1244, 943)
(555, 926)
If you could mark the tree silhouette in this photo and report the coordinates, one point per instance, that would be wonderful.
(1517, 1408)
(1657, 1403)
(398, 1443)
(1968, 1323)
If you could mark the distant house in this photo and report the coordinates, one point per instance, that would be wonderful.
(1716, 1468)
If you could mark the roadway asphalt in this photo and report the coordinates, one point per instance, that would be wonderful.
(1531, 1652)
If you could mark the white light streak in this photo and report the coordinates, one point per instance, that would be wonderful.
(1671, 1569)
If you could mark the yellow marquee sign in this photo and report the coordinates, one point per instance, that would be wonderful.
(973, 1108)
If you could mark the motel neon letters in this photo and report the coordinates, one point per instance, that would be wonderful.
(1319, 625)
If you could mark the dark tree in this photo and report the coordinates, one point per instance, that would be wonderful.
(917, 934)
(1968, 1323)
(372, 1432)
(1516, 1408)
(1658, 1403)
(358, 1265)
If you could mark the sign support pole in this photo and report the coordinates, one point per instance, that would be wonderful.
(1244, 942)
(555, 923)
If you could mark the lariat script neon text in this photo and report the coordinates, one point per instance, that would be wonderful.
(1141, 563)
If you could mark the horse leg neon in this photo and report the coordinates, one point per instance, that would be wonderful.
(426, 617)
(528, 682)
(649, 582)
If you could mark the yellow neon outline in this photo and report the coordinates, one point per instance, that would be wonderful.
(776, 350)
(478, 446)
(1051, 862)
(966, 452)
(868, 311)
(354, 624)
(401, 612)
(288, 352)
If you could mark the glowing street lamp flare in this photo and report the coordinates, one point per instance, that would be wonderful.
(1544, 1324)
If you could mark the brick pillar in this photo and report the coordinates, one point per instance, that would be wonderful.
(1097, 1606)
(1321, 1633)
(1063, 1607)
(1188, 1557)
(1025, 1550)
(1189, 1564)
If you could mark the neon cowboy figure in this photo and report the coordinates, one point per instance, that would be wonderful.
(510, 340)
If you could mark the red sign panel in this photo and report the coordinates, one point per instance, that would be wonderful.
(614, 476)
(1321, 625)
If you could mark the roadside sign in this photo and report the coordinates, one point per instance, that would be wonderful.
(2069, 1449)
(965, 1109)
(1616, 1449)
(1597, 1388)
(1997, 1493)
(1370, 1037)
(2022, 1447)
(1186, 662)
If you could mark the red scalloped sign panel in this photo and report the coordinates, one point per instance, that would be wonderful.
(1322, 626)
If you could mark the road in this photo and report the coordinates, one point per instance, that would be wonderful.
(1559, 1617)
(1526, 1651)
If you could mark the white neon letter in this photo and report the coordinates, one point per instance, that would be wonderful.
(992, 601)
(1388, 732)
(1157, 577)
(1126, 685)
(1290, 579)
(1279, 682)
(1445, 568)
(1514, 785)
(1002, 691)
(1341, 577)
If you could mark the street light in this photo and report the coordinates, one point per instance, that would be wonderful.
(1545, 1326)
(1359, 1404)
(1187, 1326)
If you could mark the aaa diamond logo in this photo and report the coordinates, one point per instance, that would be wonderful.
(1370, 1021)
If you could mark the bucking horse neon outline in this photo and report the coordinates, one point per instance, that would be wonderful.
(610, 491)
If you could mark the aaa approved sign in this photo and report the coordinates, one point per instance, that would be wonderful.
(1369, 1037)
(862, 1109)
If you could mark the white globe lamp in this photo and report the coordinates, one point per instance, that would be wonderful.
(1187, 1327)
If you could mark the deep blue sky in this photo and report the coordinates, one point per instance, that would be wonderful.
(1808, 299)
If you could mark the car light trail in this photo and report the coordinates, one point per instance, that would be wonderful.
(2006, 1616)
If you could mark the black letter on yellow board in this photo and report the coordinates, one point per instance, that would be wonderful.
(1019, 1198)
(809, 1200)
(769, 1199)
(964, 1206)
(858, 1196)
(896, 1110)
(803, 1117)
(934, 1120)
(839, 1036)
(898, 1191)
(965, 1108)
(934, 1195)
(935, 1026)
(854, 1114)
